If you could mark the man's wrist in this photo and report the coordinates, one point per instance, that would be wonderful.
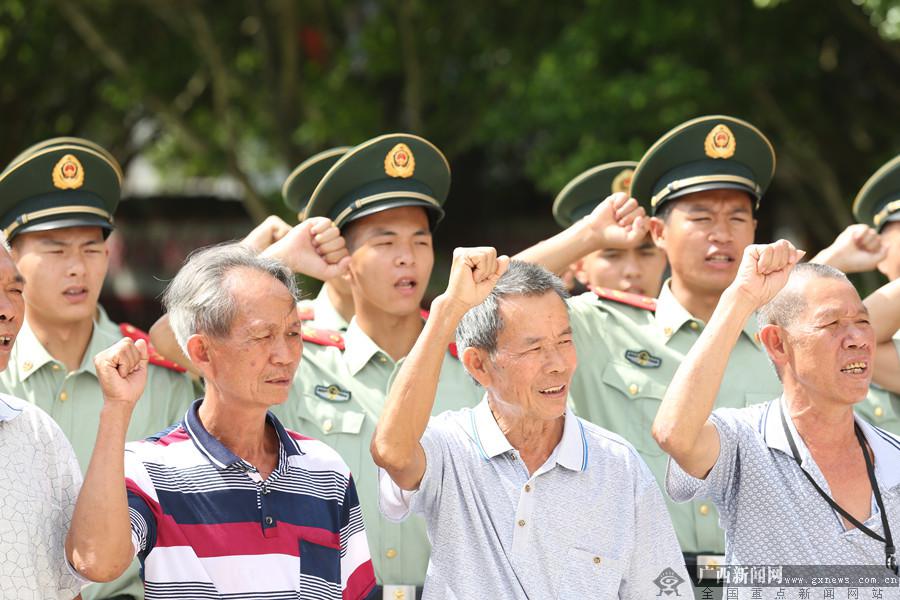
(737, 304)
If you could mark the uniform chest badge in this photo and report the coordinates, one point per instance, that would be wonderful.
(332, 393)
(68, 174)
(720, 142)
(643, 359)
(400, 162)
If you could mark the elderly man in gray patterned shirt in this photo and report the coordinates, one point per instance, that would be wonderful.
(521, 498)
(798, 480)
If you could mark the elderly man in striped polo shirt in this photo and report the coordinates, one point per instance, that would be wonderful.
(522, 498)
(227, 502)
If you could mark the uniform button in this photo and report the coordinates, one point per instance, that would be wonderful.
(391, 553)
(633, 389)
(382, 358)
(269, 520)
(521, 522)
(55, 367)
(879, 412)
(597, 560)
(527, 488)
(694, 325)
(327, 426)
(667, 331)
(27, 365)
(63, 396)
(704, 509)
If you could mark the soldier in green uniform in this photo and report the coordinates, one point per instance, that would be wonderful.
(332, 308)
(386, 195)
(636, 270)
(57, 200)
(702, 182)
(878, 205)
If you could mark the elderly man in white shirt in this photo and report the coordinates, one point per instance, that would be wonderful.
(798, 480)
(522, 499)
(39, 476)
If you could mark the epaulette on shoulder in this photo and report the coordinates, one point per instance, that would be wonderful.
(306, 312)
(636, 300)
(130, 331)
(322, 337)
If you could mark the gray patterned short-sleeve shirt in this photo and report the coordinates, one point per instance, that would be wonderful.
(770, 512)
(39, 483)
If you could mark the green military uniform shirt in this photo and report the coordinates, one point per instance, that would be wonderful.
(74, 401)
(321, 313)
(337, 397)
(881, 407)
(626, 358)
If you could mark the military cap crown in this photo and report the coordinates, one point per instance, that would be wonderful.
(878, 201)
(386, 172)
(581, 195)
(57, 183)
(299, 185)
(706, 153)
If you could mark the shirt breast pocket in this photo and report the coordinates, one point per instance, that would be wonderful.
(589, 574)
(320, 571)
(632, 410)
(332, 418)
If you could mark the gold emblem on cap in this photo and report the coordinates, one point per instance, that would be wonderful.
(622, 181)
(719, 142)
(68, 174)
(400, 162)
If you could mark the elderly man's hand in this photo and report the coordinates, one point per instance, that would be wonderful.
(272, 229)
(315, 247)
(618, 222)
(764, 270)
(857, 249)
(473, 275)
(122, 371)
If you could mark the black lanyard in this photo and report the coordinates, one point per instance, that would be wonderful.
(890, 559)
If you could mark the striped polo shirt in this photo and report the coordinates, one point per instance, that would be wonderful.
(206, 525)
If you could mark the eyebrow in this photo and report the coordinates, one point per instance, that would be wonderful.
(836, 313)
(534, 340)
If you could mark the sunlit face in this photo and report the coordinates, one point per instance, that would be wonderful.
(704, 238)
(65, 269)
(255, 363)
(12, 305)
(530, 372)
(830, 346)
(391, 259)
(890, 235)
(636, 270)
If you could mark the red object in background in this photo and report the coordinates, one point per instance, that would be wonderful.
(313, 43)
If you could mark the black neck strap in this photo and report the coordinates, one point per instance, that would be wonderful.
(890, 559)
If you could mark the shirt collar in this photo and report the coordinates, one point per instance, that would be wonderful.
(571, 452)
(31, 354)
(216, 452)
(358, 347)
(10, 408)
(885, 447)
(671, 316)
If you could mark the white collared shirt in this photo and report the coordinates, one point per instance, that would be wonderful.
(770, 512)
(589, 523)
(39, 483)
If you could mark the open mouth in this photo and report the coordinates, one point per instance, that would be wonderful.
(406, 284)
(856, 368)
(553, 391)
(719, 258)
(75, 292)
(6, 341)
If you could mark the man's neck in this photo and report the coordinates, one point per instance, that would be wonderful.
(824, 427)
(534, 439)
(395, 334)
(67, 342)
(699, 303)
(341, 303)
(242, 429)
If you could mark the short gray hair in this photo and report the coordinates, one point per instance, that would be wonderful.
(198, 299)
(786, 306)
(481, 325)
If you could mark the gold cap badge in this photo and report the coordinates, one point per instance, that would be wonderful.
(719, 142)
(68, 174)
(400, 162)
(622, 181)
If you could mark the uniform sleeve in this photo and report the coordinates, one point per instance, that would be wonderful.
(143, 505)
(180, 391)
(396, 504)
(718, 485)
(660, 560)
(357, 573)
